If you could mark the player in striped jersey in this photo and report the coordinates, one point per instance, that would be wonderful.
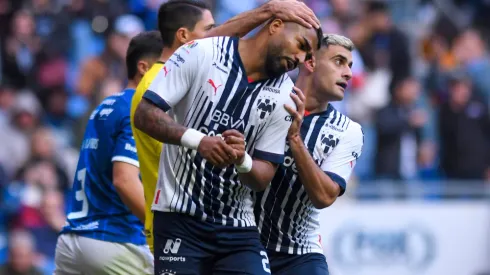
(203, 216)
(319, 157)
(102, 235)
(182, 21)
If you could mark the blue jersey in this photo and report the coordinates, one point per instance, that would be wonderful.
(95, 209)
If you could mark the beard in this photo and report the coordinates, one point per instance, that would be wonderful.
(273, 66)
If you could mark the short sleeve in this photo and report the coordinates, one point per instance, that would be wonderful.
(340, 163)
(271, 143)
(175, 79)
(125, 147)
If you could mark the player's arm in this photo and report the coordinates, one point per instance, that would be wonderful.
(125, 170)
(286, 10)
(260, 176)
(257, 171)
(167, 89)
(170, 86)
(260, 172)
(129, 187)
(324, 184)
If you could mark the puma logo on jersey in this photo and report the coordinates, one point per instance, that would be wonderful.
(211, 82)
(166, 71)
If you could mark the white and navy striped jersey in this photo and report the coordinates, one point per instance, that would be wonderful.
(205, 87)
(287, 220)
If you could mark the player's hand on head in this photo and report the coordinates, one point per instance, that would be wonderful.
(216, 151)
(294, 11)
(296, 115)
(237, 141)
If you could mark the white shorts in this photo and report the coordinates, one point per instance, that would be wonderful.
(76, 255)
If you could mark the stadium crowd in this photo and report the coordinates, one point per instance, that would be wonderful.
(420, 90)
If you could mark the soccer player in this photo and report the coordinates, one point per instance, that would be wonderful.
(102, 236)
(221, 88)
(319, 157)
(180, 22)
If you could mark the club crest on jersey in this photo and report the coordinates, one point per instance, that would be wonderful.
(329, 142)
(265, 106)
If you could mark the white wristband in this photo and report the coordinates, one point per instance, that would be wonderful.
(246, 165)
(191, 138)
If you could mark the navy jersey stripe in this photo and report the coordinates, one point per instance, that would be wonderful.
(157, 100)
(227, 55)
(284, 214)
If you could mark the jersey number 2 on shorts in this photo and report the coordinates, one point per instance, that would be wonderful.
(265, 262)
(80, 196)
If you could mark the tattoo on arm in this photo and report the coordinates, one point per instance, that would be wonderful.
(157, 124)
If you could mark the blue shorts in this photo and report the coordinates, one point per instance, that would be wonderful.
(287, 264)
(184, 245)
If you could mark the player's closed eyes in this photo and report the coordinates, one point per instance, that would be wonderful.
(303, 47)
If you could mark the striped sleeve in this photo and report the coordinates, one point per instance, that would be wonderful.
(175, 79)
(340, 163)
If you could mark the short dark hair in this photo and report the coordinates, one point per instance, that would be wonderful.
(319, 36)
(143, 45)
(176, 14)
(375, 6)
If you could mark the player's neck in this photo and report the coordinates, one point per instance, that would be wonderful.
(167, 53)
(133, 83)
(251, 53)
(313, 104)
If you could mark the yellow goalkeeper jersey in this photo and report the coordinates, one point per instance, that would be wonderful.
(149, 150)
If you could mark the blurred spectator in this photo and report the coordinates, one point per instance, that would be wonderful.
(111, 64)
(20, 50)
(15, 137)
(43, 154)
(7, 100)
(56, 117)
(399, 135)
(437, 51)
(7, 8)
(381, 44)
(471, 52)
(41, 211)
(105, 73)
(464, 126)
(21, 255)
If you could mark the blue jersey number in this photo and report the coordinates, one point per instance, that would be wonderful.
(80, 196)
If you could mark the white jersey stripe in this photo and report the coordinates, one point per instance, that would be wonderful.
(207, 89)
(285, 215)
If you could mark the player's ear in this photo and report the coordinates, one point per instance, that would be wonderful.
(275, 26)
(182, 35)
(310, 64)
(143, 67)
